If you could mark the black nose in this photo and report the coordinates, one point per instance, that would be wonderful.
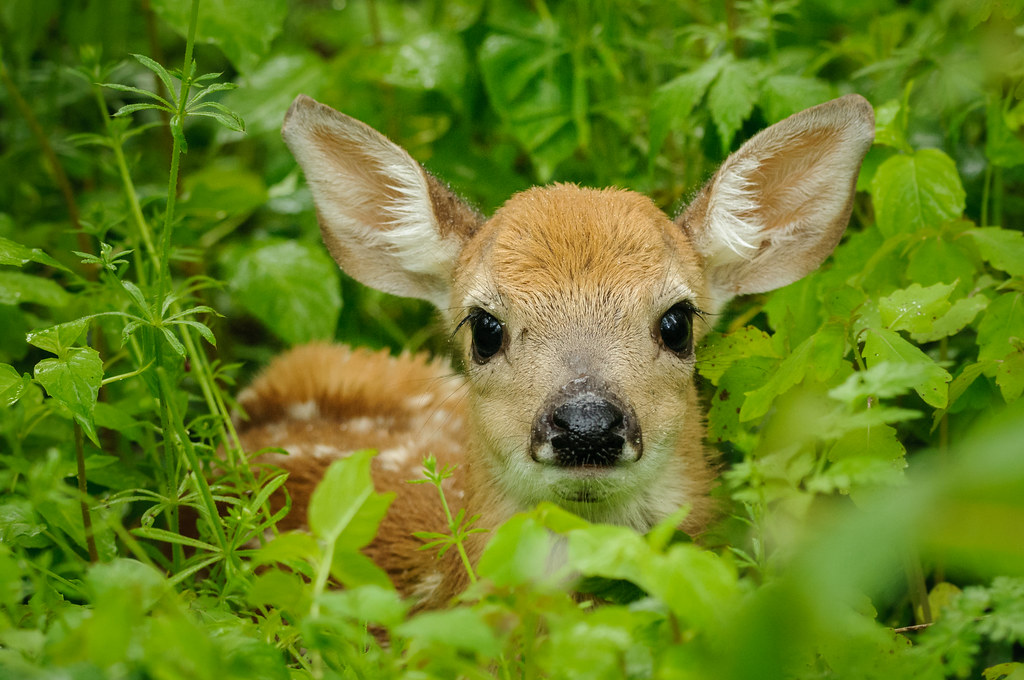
(587, 431)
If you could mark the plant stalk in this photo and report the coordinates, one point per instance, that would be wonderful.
(90, 538)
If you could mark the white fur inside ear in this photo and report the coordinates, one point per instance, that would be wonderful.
(734, 231)
(374, 204)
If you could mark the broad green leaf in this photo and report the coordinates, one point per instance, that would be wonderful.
(1002, 328)
(17, 288)
(280, 589)
(675, 100)
(12, 385)
(74, 380)
(1002, 248)
(741, 377)
(731, 98)
(721, 350)
(292, 287)
(14, 253)
(530, 83)
(941, 258)
(57, 339)
(352, 569)
(883, 381)
(917, 191)
(955, 320)
(819, 355)
(270, 89)
(915, 308)
(881, 442)
(461, 628)
(430, 61)
(366, 604)
(1010, 376)
(345, 502)
(242, 29)
(786, 94)
(221, 189)
(884, 345)
(517, 552)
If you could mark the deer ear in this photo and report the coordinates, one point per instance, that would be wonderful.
(779, 205)
(387, 222)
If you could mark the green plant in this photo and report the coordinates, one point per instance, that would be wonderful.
(152, 254)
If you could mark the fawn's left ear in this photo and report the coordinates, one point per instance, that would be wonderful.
(779, 205)
(386, 220)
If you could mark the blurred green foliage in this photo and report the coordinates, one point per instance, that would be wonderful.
(869, 416)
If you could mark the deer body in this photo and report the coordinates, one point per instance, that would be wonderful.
(576, 312)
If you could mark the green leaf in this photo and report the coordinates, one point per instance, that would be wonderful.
(720, 351)
(17, 288)
(942, 258)
(159, 70)
(517, 553)
(675, 100)
(242, 29)
(12, 385)
(1002, 248)
(352, 569)
(429, 61)
(462, 628)
(529, 83)
(882, 381)
(955, 320)
(917, 191)
(291, 287)
(345, 496)
(1002, 328)
(14, 253)
(884, 345)
(819, 354)
(785, 95)
(1010, 376)
(915, 308)
(221, 114)
(132, 108)
(57, 339)
(74, 380)
(731, 98)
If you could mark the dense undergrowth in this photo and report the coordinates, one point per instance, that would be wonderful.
(155, 250)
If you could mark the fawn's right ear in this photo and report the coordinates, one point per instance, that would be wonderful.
(387, 222)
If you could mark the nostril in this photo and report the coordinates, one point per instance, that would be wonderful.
(588, 419)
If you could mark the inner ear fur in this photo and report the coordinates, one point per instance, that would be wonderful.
(385, 220)
(779, 205)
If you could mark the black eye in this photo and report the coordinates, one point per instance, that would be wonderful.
(676, 328)
(488, 335)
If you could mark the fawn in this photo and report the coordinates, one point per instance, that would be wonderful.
(575, 311)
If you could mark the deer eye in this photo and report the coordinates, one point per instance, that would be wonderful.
(676, 328)
(488, 335)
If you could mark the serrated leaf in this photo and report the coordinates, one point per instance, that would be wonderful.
(291, 287)
(731, 98)
(57, 339)
(676, 99)
(819, 354)
(917, 191)
(460, 628)
(786, 94)
(17, 288)
(1002, 248)
(915, 308)
(720, 351)
(74, 380)
(353, 569)
(1002, 327)
(12, 385)
(883, 381)
(1010, 376)
(883, 345)
(429, 61)
(517, 553)
(955, 320)
(242, 29)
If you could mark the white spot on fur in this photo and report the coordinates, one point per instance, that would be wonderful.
(427, 586)
(394, 459)
(326, 451)
(420, 401)
(307, 410)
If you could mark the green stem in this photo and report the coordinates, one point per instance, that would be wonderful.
(90, 539)
(453, 528)
(141, 226)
